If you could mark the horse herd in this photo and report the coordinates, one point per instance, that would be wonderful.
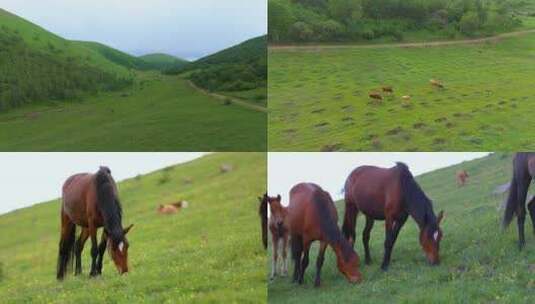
(386, 194)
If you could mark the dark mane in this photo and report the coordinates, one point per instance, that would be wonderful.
(109, 205)
(263, 213)
(328, 224)
(417, 203)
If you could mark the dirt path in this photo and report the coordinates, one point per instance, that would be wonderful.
(234, 100)
(399, 45)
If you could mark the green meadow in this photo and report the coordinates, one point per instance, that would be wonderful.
(318, 97)
(206, 253)
(479, 262)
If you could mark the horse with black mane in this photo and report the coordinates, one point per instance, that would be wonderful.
(312, 216)
(390, 194)
(91, 201)
(523, 174)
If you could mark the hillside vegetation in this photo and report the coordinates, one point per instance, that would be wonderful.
(206, 253)
(392, 20)
(479, 263)
(163, 62)
(240, 70)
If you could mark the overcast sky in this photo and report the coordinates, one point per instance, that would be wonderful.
(330, 170)
(185, 28)
(30, 178)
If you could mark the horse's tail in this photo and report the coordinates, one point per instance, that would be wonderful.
(263, 213)
(66, 252)
(511, 204)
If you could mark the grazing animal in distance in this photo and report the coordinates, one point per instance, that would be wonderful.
(91, 201)
(312, 216)
(263, 213)
(376, 96)
(523, 175)
(172, 208)
(225, 168)
(406, 97)
(390, 194)
(278, 226)
(388, 89)
(462, 177)
(436, 83)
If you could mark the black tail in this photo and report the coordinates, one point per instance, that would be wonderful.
(66, 253)
(262, 211)
(511, 204)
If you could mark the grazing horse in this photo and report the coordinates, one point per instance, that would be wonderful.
(262, 212)
(312, 216)
(388, 89)
(523, 174)
(392, 195)
(436, 83)
(376, 96)
(462, 177)
(278, 226)
(90, 201)
(172, 208)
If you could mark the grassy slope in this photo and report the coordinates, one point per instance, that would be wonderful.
(479, 263)
(206, 253)
(319, 100)
(162, 61)
(115, 56)
(163, 114)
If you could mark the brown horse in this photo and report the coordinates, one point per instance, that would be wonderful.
(263, 213)
(312, 216)
(90, 201)
(278, 226)
(523, 174)
(462, 177)
(391, 195)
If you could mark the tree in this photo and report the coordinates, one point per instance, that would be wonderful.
(469, 23)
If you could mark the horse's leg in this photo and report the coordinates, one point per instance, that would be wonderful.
(397, 224)
(389, 243)
(304, 263)
(319, 263)
(275, 251)
(79, 247)
(522, 191)
(94, 250)
(285, 255)
(297, 251)
(366, 238)
(531, 208)
(101, 250)
(350, 220)
(66, 243)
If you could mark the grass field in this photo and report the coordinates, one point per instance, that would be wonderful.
(479, 263)
(159, 113)
(208, 252)
(318, 98)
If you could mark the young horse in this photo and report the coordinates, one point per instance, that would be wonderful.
(278, 226)
(312, 216)
(90, 201)
(523, 174)
(391, 195)
(461, 177)
(262, 212)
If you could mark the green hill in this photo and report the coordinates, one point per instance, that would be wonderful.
(162, 62)
(479, 263)
(37, 65)
(208, 252)
(121, 58)
(239, 71)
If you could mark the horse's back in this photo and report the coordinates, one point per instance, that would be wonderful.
(76, 190)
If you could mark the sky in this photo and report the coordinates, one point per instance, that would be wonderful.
(30, 178)
(188, 29)
(330, 170)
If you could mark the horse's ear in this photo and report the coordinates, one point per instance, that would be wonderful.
(279, 197)
(440, 216)
(128, 228)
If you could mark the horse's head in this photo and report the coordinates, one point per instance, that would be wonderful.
(430, 237)
(348, 262)
(119, 251)
(278, 212)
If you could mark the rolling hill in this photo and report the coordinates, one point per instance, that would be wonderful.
(479, 263)
(208, 252)
(159, 61)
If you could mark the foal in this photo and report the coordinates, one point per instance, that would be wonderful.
(278, 227)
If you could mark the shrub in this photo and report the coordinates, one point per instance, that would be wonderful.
(469, 23)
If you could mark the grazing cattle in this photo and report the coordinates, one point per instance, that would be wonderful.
(388, 89)
(376, 96)
(392, 195)
(462, 177)
(406, 97)
(172, 208)
(225, 168)
(91, 201)
(523, 175)
(436, 83)
(312, 216)
(278, 226)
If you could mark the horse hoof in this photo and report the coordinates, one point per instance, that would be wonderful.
(384, 268)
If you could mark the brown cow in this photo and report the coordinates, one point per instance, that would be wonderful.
(172, 208)
(388, 89)
(462, 177)
(376, 96)
(436, 83)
